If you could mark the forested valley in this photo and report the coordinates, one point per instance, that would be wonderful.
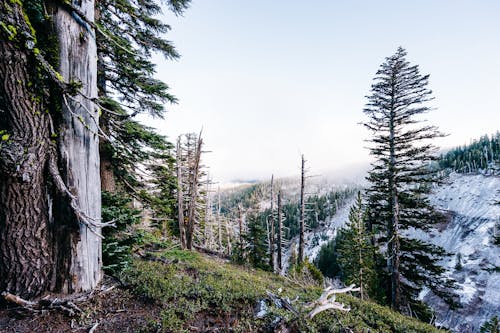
(107, 225)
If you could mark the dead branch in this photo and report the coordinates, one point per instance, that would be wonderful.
(92, 223)
(327, 301)
(17, 300)
(283, 303)
(94, 327)
(66, 306)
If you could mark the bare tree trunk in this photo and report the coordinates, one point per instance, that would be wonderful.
(56, 250)
(79, 145)
(280, 225)
(271, 231)
(180, 196)
(240, 225)
(208, 207)
(228, 233)
(193, 194)
(302, 217)
(219, 224)
(25, 243)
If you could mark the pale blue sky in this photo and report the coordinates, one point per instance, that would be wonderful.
(269, 80)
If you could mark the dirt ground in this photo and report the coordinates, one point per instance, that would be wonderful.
(114, 311)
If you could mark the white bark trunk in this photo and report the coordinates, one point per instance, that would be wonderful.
(79, 143)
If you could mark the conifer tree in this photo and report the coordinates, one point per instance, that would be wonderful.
(63, 101)
(400, 179)
(355, 252)
(129, 33)
(491, 326)
(256, 236)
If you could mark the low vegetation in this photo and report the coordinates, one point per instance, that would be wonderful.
(200, 293)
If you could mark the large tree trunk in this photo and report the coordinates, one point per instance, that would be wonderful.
(25, 246)
(79, 147)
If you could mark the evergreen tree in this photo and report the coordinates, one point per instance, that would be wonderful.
(162, 189)
(400, 179)
(480, 155)
(118, 242)
(256, 236)
(129, 33)
(327, 259)
(134, 159)
(491, 326)
(50, 132)
(355, 252)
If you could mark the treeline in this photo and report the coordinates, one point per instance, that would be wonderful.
(252, 205)
(480, 155)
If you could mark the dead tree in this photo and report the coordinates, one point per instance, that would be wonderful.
(193, 184)
(188, 197)
(240, 225)
(180, 197)
(271, 229)
(228, 235)
(302, 209)
(208, 232)
(219, 223)
(280, 226)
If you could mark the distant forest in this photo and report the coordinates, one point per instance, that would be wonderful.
(482, 154)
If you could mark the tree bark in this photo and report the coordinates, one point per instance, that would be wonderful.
(43, 244)
(79, 149)
(25, 244)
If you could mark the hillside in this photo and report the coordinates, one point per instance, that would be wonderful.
(469, 201)
(182, 291)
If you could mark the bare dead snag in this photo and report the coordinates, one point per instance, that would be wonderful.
(180, 196)
(271, 229)
(280, 226)
(327, 301)
(302, 209)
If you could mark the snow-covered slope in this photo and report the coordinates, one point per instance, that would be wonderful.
(469, 201)
(315, 239)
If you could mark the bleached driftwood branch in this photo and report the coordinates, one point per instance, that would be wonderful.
(327, 301)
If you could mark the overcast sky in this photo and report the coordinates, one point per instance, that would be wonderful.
(269, 80)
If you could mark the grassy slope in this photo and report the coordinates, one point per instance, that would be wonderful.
(199, 293)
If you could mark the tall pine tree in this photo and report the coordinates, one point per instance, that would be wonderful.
(400, 179)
